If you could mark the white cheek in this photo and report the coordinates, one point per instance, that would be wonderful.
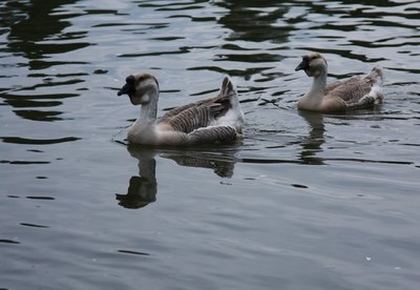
(144, 99)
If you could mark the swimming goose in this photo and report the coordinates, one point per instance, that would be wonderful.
(215, 120)
(358, 92)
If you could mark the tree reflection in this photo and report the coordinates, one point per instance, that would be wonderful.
(35, 31)
(255, 20)
(35, 21)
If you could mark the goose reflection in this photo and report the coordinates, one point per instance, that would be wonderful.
(142, 189)
(222, 165)
(312, 144)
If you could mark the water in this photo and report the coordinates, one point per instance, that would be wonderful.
(307, 201)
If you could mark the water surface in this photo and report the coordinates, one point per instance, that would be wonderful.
(307, 201)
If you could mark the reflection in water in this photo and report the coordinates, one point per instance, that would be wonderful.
(142, 189)
(25, 34)
(311, 145)
(223, 165)
(370, 180)
(250, 21)
(36, 32)
(254, 20)
(31, 141)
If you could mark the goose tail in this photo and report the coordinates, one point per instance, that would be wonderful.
(377, 75)
(228, 90)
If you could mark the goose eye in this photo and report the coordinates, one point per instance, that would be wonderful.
(130, 79)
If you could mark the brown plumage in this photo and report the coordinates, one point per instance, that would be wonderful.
(358, 92)
(215, 120)
(195, 116)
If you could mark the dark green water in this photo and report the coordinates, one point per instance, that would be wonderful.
(308, 201)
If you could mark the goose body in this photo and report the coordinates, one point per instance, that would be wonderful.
(214, 120)
(358, 92)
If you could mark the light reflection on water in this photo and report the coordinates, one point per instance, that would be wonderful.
(306, 201)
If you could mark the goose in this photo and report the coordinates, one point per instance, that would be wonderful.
(358, 92)
(216, 120)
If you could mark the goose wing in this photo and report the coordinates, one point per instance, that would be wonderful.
(178, 110)
(202, 113)
(213, 135)
(351, 90)
(332, 86)
(205, 135)
(197, 115)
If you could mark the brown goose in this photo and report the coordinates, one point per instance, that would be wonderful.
(215, 120)
(358, 92)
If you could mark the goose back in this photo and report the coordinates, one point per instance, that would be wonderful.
(352, 89)
(355, 88)
(205, 112)
(198, 116)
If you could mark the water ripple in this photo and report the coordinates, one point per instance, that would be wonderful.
(31, 141)
(221, 213)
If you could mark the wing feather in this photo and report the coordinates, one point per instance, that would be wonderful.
(351, 90)
(213, 135)
(177, 110)
(197, 115)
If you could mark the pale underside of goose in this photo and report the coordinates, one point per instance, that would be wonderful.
(358, 92)
(216, 120)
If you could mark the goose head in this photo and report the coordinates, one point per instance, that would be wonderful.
(313, 64)
(141, 88)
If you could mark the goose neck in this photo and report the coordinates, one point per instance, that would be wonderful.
(319, 83)
(148, 111)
